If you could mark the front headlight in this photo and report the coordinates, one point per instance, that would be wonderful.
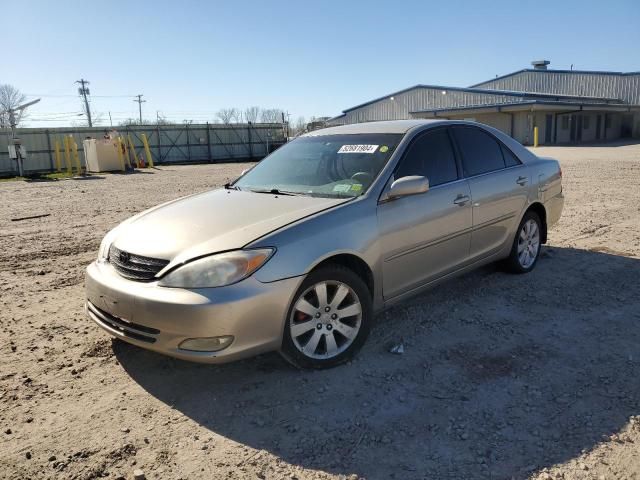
(217, 270)
(103, 252)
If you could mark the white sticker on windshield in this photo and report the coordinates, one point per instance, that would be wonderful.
(358, 149)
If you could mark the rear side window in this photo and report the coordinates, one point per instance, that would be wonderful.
(480, 152)
(510, 160)
(430, 155)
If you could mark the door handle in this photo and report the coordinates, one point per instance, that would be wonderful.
(522, 181)
(461, 200)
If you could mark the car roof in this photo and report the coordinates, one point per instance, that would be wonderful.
(389, 126)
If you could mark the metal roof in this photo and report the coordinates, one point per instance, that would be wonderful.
(548, 70)
(497, 107)
(483, 91)
(387, 126)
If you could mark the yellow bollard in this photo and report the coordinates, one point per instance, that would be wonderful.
(132, 149)
(535, 136)
(76, 158)
(58, 159)
(120, 157)
(147, 151)
(125, 151)
(67, 155)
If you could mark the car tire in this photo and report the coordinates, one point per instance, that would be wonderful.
(527, 244)
(319, 330)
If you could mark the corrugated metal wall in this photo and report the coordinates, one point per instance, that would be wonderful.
(168, 144)
(418, 99)
(625, 87)
(423, 98)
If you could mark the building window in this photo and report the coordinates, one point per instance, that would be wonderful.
(607, 121)
(565, 123)
(585, 123)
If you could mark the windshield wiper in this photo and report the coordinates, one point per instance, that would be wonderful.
(228, 186)
(276, 191)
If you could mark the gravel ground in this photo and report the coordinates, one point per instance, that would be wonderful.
(502, 376)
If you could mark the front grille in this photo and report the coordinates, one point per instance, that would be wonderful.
(126, 328)
(135, 267)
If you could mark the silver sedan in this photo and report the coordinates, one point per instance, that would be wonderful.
(300, 252)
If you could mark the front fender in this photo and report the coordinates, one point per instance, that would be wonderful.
(349, 229)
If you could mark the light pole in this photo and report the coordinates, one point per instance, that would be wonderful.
(15, 149)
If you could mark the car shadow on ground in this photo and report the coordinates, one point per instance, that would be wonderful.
(502, 375)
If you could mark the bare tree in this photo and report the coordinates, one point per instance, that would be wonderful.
(226, 115)
(251, 114)
(299, 126)
(10, 97)
(271, 115)
(128, 121)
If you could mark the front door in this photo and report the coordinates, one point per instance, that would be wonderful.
(579, 128)
(425, 236)
(626, 126)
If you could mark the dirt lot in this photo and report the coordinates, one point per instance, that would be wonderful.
(502, 377)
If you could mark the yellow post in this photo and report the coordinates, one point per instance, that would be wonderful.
(67, 155)
(126, 151)
(132, 149)
(58, 159)
(76, 158)
(535, 136)
(120, 157)
(147, 152)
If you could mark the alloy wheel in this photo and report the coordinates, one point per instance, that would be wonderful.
(528, 243)
(325, 319)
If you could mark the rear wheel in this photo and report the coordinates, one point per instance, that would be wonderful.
(329, 319)
(526, 246)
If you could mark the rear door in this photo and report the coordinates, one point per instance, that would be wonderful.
(427, 235)
(499, 186)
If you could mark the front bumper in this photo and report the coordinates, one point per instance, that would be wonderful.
(160, 318)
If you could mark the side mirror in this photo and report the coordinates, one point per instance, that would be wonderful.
(404, 186)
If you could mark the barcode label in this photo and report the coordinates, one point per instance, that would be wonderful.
(358, 149)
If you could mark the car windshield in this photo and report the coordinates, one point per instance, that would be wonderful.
(323, 166)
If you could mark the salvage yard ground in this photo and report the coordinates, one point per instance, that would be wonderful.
(503, 376)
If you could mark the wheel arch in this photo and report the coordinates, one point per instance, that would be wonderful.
(353, 263)
(539, 209)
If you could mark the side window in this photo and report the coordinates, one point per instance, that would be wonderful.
(510, 160)
(480, 152)
(430, 155)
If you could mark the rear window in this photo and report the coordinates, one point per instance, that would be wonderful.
(481, 153)
(510, 160)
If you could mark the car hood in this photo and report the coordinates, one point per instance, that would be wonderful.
(213, 221)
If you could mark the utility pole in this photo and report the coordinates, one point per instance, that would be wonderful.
(140, 102)
(110, 121)
(84, 91)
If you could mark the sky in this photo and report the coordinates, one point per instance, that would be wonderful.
(191, 58)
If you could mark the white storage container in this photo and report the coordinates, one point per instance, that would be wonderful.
(101, 155)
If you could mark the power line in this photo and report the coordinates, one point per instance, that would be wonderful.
(94, 96)
(84, 91)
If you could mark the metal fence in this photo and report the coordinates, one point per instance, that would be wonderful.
(185, 143)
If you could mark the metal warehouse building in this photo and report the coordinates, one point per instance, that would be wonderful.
(567, 106)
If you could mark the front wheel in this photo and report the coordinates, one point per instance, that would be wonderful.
(328, 320)
(526, 246)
